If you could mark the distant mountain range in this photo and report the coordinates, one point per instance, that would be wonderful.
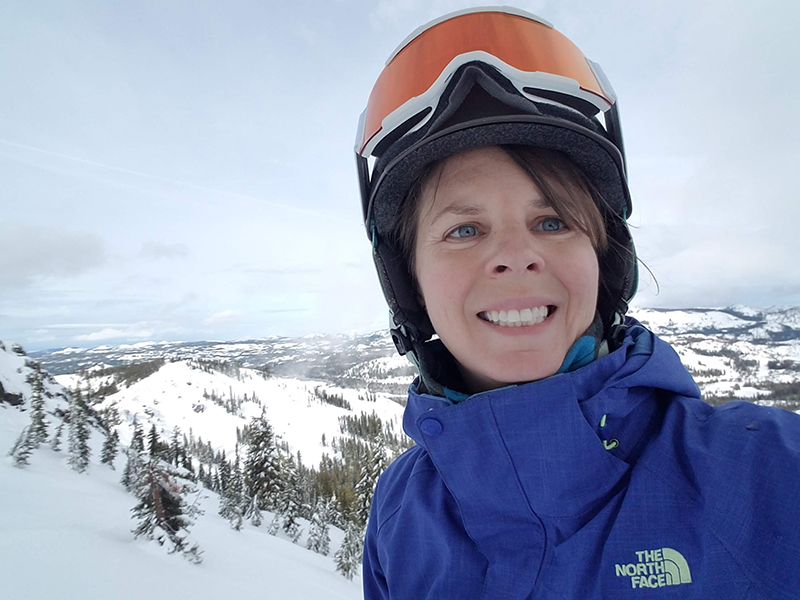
(735, 352)
(765, 335)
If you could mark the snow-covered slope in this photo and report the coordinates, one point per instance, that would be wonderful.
(743, 322)
(66, 535)
(181, 394)
(15, 369)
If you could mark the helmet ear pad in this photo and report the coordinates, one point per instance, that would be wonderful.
(618, 271)
(400, 292)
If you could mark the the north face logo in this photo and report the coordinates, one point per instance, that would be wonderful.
(656, 568)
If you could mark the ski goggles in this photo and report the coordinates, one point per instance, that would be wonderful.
(540, 62)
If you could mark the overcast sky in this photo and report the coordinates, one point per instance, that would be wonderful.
(184, 170)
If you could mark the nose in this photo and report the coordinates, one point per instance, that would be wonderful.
(517, 251)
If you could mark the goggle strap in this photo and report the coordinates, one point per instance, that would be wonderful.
(609, 145)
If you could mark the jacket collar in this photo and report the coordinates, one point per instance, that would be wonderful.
(552, 432)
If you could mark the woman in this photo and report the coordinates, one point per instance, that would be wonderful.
(562, 450)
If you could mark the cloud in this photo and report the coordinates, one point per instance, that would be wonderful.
(30, 252)
(224, 316)
(111, 333)
(58, 326)
(157, 250)
(288, 271)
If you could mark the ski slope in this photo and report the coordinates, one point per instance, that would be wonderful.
(65, 535)
(173, 396)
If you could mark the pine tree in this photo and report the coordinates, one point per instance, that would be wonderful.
(274, 525)
(78, 451)
(133, 469)
(289, 503)
(38, 433)
(223, 472)
(21, 450)
(110, 446)
(348, 556)
(319, 539)
(202, 477)
(111, 417)
(186, 463)
(162, 510)
(373, 463)
(137, 441)
(262, 467)
(56, 443)
(233, 501)
(254, 513)
(175, 449)
(154, 444)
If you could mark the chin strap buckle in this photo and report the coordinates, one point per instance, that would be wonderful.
(616, 335)
(401, 340)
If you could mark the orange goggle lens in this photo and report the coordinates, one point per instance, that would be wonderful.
(520, 42)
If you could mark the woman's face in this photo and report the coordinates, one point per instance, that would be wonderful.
(490, 253)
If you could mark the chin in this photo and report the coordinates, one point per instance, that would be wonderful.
(520, 370)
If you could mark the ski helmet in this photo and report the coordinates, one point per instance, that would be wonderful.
(482, 77)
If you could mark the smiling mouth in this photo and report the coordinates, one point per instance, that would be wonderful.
(518, 318)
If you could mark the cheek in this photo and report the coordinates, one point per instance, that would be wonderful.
(582, 279)
(441, 284)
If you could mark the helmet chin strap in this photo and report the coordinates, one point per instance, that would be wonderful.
(430, 357)
(438, 368)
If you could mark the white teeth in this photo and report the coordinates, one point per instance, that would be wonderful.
(516, 318)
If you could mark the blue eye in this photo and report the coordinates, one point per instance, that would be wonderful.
(551, 224)
(464, 231)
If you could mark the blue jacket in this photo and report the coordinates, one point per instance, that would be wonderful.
(613, 481)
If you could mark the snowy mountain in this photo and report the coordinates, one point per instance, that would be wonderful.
(737, 351)
(15, 372)
(328, 399)
(309, 356)
(211, 400)
(742, 322)
(77, 528)
(69, 536)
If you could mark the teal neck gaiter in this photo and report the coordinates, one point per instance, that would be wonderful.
(586, 348)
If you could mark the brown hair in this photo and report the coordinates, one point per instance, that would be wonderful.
(564, 186)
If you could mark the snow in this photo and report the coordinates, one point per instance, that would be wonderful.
(12, 371)
(789, 316)
(170, 396)
(70, 351)
(75, 529)
(66, 535)
(745, 311)
(675, 320)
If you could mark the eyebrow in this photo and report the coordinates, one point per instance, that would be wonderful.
(470, 210)
(458, 209)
